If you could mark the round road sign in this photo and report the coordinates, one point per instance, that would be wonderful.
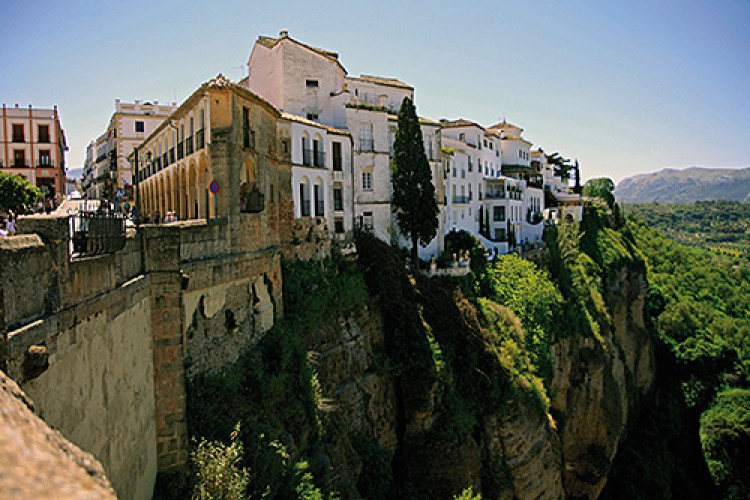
(214, 187)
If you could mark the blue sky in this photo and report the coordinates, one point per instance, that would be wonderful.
(626, 87)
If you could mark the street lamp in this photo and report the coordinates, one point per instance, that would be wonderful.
(137, 185)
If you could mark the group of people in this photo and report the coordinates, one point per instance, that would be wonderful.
(156, 218)
(8, 224)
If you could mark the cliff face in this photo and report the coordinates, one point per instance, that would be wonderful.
(423, 391)
(597, 386)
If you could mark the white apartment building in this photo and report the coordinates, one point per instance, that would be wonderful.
(111, 174)
(33, 145)
(311, 83)
(321, 173)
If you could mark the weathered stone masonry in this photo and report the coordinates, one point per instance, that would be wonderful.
(105, 345)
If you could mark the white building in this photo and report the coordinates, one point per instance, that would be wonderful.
(321, 173)
(311, 83)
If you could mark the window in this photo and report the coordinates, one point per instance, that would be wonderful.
(498, 213)
(367, 221)
(312, 116)
(367, 181)
(18, 135)
(336, 156)
(338, 198)
(19, 158)
(43, 132)
(246, 127)
(319, 203)
(311, 84)
(44, 158)
(317, 154)
(338, 225)
(139, 127)
(462, 137)
(366, 142)
(471, 167)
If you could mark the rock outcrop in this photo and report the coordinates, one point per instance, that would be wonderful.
(37, 462)
(598, 385)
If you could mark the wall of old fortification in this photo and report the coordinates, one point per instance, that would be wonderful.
(104, 344)
(78, 339)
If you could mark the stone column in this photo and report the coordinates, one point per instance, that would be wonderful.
(162, 266)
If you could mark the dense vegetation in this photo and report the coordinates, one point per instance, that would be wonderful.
(723, 227)
(462, 349)
(691, 440)
(273, 393)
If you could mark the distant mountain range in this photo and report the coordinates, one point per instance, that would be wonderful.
(686, 186)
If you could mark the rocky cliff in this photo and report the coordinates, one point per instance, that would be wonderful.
(391, 385)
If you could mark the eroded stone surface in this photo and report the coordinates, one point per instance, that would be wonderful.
(37, 462)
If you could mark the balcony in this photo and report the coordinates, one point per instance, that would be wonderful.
(19, 164)
(312, 158)
(45, 164)
(18, 138)
(200, 139)
(461, 199)
(495, 196)
(366, 145)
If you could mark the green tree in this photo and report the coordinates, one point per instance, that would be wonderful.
(601, 187)
(413, 190)
(15, 192)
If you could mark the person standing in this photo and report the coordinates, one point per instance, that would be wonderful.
(10, 224)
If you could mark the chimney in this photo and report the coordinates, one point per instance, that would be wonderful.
(284, 34)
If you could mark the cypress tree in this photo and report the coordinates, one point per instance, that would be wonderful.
(413, 190)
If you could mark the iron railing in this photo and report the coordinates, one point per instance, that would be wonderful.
(313, 158)
(94, 233)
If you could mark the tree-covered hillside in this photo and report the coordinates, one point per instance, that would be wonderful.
(723, 227)
(699, 312)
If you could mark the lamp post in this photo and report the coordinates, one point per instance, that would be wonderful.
(137, 185)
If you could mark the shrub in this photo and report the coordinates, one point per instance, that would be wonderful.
(219, 474)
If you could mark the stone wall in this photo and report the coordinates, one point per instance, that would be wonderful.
(42, 463)
(104, 344)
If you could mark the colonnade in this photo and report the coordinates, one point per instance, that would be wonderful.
(182, 188)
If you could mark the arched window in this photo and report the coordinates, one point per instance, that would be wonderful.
(318, 197)
(304, 197)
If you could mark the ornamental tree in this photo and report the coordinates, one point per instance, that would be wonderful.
(16, 192)
(413, 190)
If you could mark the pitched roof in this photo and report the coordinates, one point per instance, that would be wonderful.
(270, 42)
(505, 124)
(305, 121)
(515, 138)
(423, 121)
(383, 80)
(461, 122)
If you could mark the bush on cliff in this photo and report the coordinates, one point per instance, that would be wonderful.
(272, 389)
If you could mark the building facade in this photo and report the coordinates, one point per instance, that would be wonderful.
(33, 145)
(311, 83)
(110, 174)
